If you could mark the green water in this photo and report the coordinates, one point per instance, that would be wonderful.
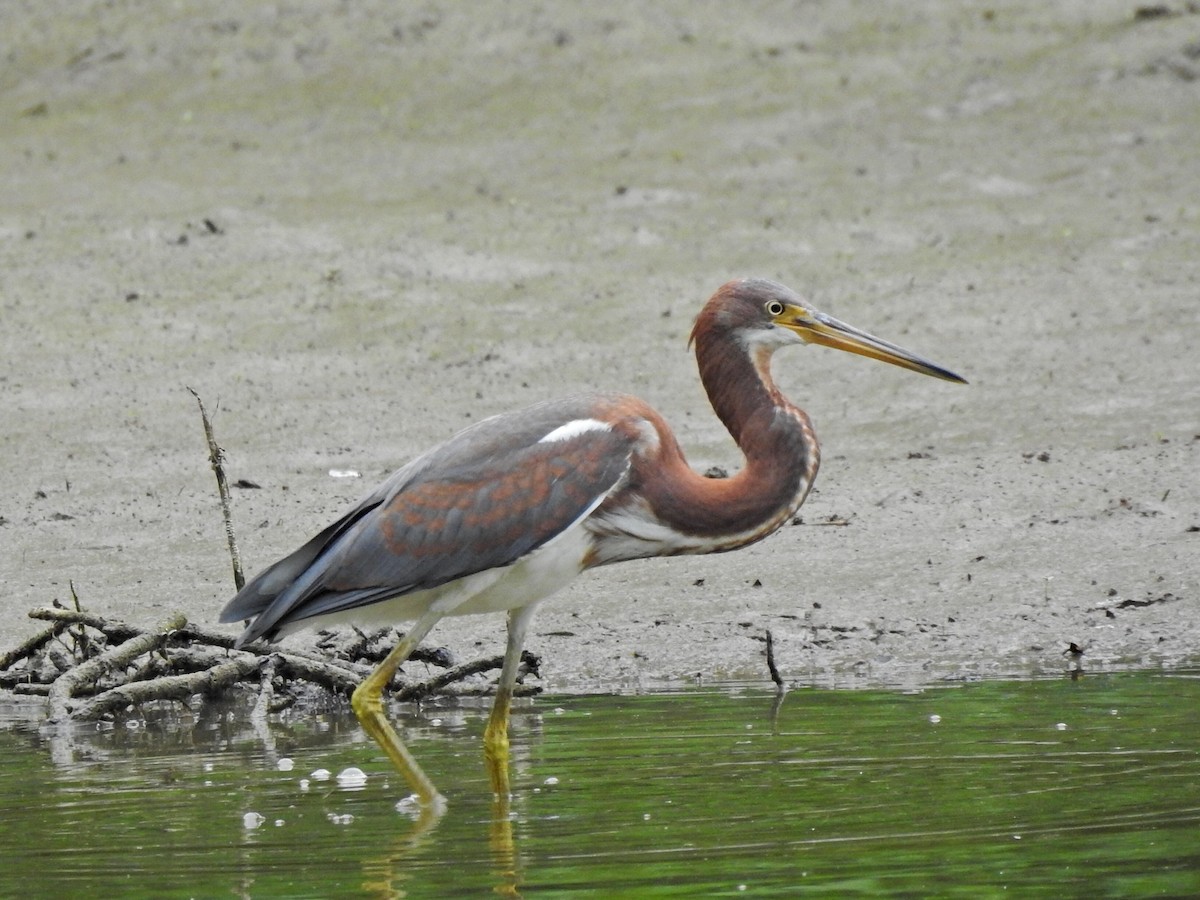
(1055, 788)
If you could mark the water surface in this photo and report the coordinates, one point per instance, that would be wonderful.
(1052, 787)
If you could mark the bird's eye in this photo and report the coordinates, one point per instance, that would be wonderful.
(774, 308)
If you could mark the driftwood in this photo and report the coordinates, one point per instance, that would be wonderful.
(529, 665)
(169, 687)
(266, 693)
(100, 675)
(32, 645)
(117, 631)
(113, 660)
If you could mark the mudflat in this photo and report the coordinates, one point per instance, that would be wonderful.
(355, 229)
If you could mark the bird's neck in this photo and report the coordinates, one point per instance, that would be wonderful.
(669, 508)
(775, 436)
(762, 421)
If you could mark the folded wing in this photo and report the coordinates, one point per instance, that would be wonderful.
(492, 494)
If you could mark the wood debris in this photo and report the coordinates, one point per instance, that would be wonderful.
(91, 668)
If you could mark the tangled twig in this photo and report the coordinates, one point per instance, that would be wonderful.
(113, 666)
(90, 667)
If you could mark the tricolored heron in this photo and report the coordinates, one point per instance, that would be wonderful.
(514, 507)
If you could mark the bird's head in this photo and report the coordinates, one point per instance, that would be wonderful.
(768, 315)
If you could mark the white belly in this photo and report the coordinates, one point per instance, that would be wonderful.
(532, 578)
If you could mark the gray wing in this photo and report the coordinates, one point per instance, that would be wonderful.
(487, 497)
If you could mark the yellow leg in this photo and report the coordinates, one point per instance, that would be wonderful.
(495, 735)
(367, 702)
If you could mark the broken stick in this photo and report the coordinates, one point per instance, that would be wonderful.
(771, 667)
(116, 657)
(216, 458)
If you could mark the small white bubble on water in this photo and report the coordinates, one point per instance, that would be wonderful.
(285, 764)
(279, 823)
(253, 819)
(320, 775)
(352, 779)
(935, 718)
(304, 784)
(1061, 726)
(409, 806)
(551, 780)
(208, 767)
(343, 819)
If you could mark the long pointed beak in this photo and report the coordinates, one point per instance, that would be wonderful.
(818, 328)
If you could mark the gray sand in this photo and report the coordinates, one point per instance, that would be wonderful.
(358, 227)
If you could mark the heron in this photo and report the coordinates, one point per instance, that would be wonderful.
(514, 507)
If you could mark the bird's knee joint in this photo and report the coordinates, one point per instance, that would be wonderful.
(366, 702)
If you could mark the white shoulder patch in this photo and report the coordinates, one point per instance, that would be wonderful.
(574, 428)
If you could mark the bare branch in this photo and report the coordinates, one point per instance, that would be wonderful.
(179, 659)
(32, 645)
(69, 683)
(117, 632)
(169, 687)
(266, 691)
(336, 678)
(216, 458)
